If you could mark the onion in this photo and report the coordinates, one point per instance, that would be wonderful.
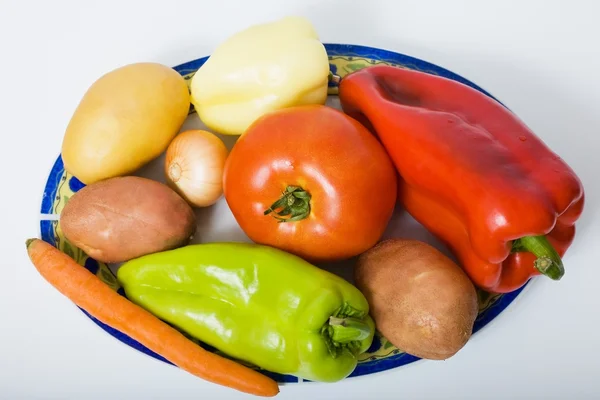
(194, 167)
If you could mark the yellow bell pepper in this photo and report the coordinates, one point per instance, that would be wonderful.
(263, 68)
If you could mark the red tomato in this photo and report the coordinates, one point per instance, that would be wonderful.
(330, 183)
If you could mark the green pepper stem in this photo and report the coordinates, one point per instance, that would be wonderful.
(548, 261)
(348, 329)
(293, 205)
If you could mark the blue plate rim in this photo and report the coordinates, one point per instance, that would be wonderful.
(333, 50)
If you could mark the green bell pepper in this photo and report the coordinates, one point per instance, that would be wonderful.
(256, 304)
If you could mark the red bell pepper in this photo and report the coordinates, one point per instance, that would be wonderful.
(471, 172)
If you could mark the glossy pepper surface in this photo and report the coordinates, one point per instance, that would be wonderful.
(472, 173)
(257, 304)
(263, 68)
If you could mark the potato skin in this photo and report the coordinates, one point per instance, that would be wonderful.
(126, 217)
(421, 301)
(124, 120)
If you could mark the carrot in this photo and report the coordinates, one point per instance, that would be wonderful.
(87, 291)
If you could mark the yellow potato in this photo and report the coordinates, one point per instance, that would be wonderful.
(126, 118)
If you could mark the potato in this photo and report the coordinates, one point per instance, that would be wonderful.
(124, 120)
(421, 301)
(126, 217)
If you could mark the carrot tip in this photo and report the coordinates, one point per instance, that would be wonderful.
(29, 241)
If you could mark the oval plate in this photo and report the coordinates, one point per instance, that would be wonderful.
(343, 59)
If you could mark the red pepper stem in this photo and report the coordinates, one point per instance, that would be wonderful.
(548, 261)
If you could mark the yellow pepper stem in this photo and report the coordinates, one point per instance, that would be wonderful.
(335, 79)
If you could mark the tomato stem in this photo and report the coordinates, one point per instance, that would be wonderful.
(293, 205)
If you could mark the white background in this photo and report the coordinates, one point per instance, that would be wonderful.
(541, 58)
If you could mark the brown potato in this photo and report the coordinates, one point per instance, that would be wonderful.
(421, 301)
(121, 218)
